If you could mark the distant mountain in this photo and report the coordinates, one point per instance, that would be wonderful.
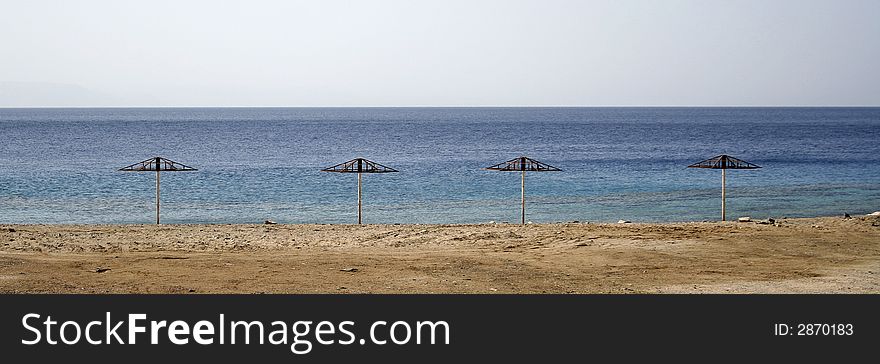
(36, 94)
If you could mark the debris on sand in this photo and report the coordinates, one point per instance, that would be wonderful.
(744, 219)
(101, 269)
(269, 222)
(624, 221)
(351, 270)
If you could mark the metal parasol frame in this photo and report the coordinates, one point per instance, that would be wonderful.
(523, 164)
(359, 166)
(157, 164)
(724, 162)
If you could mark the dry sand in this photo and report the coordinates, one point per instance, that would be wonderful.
(817, 255)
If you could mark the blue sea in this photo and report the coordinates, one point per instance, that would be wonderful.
(60, 165)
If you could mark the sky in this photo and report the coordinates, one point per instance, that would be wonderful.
(440, 53)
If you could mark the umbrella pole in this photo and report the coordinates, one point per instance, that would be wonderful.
(359, 198)
(157, 197)
(723, 192)
(523, 197)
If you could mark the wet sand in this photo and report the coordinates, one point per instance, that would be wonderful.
(815, 255)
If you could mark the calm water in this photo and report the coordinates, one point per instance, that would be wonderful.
(59, 165)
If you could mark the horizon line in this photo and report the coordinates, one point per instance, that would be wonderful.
(431, 106)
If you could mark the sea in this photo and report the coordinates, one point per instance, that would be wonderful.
(60, 165)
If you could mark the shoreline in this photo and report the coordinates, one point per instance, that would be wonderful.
(858, 214)
(795, 255)
(488, 223)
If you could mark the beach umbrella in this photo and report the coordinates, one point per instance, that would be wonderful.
(157, 164)
(724, 162)
(523, 164)
(359, 166)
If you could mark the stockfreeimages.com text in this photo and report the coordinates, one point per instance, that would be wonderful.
(298, 334)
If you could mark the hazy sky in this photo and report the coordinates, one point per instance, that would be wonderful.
(409, 53)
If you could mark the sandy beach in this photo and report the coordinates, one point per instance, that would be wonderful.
(814, 255)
